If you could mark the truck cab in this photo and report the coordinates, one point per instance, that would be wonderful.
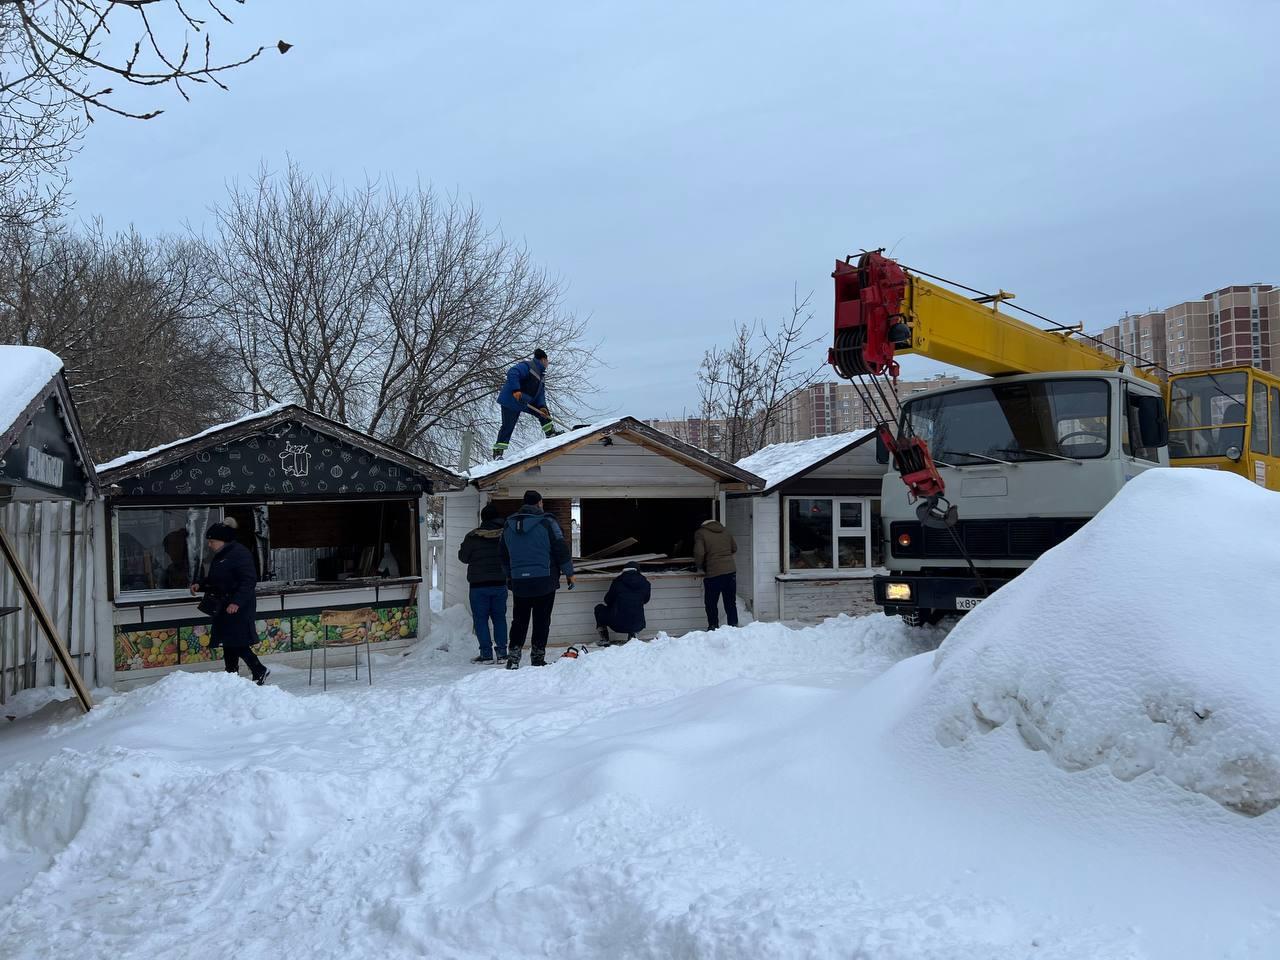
(1027, 460)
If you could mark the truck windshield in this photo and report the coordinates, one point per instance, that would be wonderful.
(1206, 414)
(1014, 422)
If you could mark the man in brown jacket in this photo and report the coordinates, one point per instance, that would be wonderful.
(713, 550)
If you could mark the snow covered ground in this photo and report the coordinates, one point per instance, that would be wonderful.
(831, 791)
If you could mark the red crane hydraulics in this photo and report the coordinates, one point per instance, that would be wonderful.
(869, 327)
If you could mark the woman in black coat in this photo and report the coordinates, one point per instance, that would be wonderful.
(623, 607)
(231, 600)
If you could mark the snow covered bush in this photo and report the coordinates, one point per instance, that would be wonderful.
(1147, 643)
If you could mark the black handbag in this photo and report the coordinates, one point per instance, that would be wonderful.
(209, 606)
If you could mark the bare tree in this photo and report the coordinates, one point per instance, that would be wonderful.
(61, 60)
(743, 387)
(129, 317)
(395, 311)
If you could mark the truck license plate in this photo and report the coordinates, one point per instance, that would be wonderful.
(967, 603)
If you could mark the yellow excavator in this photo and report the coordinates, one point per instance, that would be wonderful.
(991, 473)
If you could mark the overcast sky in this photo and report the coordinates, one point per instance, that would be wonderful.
(685, 165)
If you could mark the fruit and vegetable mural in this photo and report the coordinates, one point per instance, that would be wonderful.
(142, 648)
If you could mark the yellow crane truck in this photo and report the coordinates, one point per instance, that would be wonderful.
(990, 474)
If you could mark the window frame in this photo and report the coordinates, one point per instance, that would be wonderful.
(218, 512)
(866, 531)
(1259, 425)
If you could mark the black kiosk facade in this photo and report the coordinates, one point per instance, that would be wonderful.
(335, 520)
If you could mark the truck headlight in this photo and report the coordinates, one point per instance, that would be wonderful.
(897, 591)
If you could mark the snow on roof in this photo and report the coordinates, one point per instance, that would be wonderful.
(482, 470)
(136, 455)
(24, 373)
(782, 461)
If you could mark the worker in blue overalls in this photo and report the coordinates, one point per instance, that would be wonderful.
(524, 392)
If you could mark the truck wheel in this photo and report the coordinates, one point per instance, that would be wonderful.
(922, 617)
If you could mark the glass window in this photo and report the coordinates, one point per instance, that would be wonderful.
(1020, 421)
(1132, 434)
(163, 548)
(1206, 414)
(158, 548)
(851, 514)
(809, 534)
(832, 534)
(853, 552)
(1275, 422)
(1258, 434)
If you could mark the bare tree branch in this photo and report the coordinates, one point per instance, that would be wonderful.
(743, 387)
(60, 60)
(396, 311)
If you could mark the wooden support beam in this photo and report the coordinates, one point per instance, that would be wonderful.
(46, 622)
(612, 549)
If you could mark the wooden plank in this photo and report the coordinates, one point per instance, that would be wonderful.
(612, 549)
(618, 561)
(46, 622)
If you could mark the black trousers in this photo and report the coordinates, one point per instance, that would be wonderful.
(539, 609)
(713, 589)
(231, 657)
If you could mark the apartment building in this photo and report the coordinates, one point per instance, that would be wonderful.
(825, 409)
(1228, 327)
(702, 432)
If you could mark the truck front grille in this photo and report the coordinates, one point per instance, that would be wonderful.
(1022, 539)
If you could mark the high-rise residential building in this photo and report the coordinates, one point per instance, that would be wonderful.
(1226, 328)
(824, 409)
(702, 432)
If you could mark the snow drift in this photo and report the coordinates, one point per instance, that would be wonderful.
(1144, 644)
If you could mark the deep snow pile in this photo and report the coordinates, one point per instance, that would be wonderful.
(1146, 643)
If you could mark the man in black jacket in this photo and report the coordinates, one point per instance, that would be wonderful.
(623, 607)
(481, 551)
(231, 599)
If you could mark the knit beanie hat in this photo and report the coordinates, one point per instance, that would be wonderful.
(224, 530)
(490, 512)
(532, 498)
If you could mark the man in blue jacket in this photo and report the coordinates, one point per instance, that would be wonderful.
(534, 555)
(524, 392)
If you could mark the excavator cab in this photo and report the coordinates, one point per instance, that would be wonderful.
(1227, 419)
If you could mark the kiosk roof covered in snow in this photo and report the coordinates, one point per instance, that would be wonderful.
(42, 451)
(636, 438)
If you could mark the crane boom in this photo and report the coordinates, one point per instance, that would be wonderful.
(948, 327)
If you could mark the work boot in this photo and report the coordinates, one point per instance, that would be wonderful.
(604, 635)
(538, 660)
(261, 678)
(513, 662)
(482, 659)
(497, 454)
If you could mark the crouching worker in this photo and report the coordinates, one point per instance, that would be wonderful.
(481, 551)
(623, 607)
(231, 599)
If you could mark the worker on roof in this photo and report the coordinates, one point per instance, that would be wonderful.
(525, 391)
